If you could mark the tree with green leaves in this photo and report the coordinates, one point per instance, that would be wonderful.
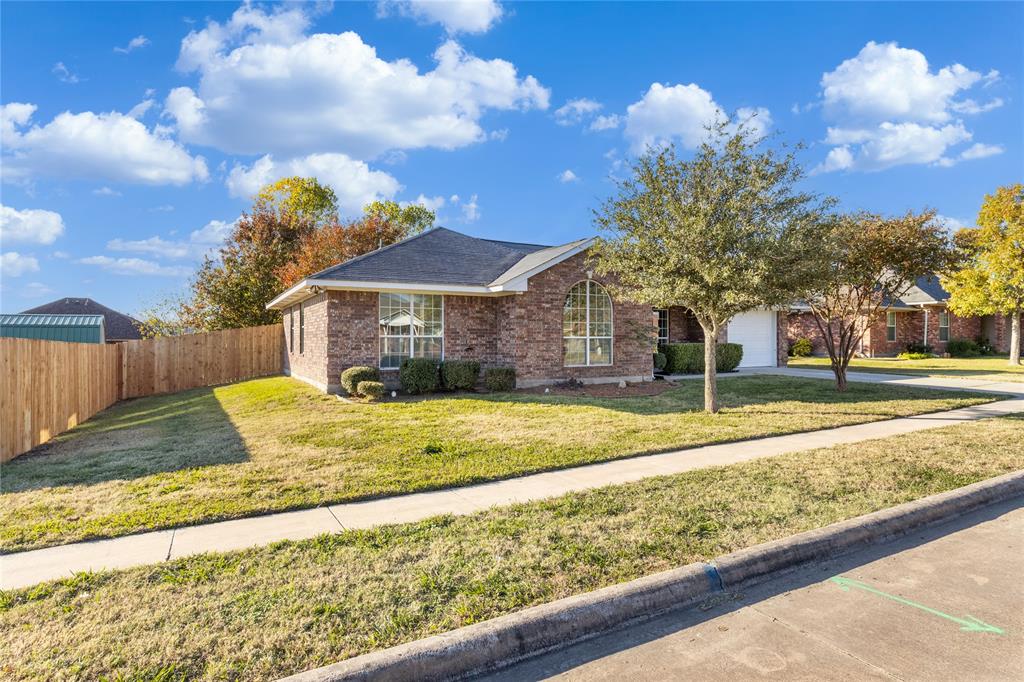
(990, 278)
(721, 234)
(299, 199)
(411, 219)
(865, 263)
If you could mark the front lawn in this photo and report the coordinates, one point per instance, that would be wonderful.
(263, 613)
(989, 368)
(273, 444)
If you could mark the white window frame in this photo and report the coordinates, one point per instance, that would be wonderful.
(890, 323)
(302, 328)
(943, 327)
(588, 337)
(662, 340)
(411, 335)
(291, 329)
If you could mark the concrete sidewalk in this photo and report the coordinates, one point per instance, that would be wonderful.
(27, 568)
(980, 385)
(944, 603)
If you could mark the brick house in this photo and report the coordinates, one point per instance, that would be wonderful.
(921, 316)
(446, 295)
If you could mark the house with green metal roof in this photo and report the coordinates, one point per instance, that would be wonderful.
(73, 328)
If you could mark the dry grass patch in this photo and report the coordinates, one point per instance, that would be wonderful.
(268, 612)
(274, 444)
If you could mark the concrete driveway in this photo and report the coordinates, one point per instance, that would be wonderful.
(945, 604)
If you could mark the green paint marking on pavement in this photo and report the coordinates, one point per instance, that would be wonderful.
(967, 623)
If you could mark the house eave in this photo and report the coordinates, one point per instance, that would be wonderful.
(308, 288)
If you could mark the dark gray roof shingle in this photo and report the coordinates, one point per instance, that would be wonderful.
(118, 326)
(926, 289)
(437, 256)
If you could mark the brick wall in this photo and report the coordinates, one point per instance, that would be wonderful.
(311, 363)
(959, 328)
(536, 322)
(1001, 332)
(471, 329)
(801, 326)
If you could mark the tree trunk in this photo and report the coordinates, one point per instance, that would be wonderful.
(1015, 338)
(840, 372)
(710, 367)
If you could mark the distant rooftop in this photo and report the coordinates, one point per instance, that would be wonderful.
(117, 326)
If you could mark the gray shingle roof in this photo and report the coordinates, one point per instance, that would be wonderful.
(927, 289)
(118, 325)
(437, 256)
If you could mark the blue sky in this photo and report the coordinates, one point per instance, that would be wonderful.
(134, 134)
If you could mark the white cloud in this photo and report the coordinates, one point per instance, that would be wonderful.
(606, 122)
(575, 110)
(457, 16)
(140, 109)
(430, 203)
(92, 146)
(106, 192)
(213, 233)
(30, 225)
(670, 113)
(470, 210)
(979, 150)
(133, 44)
(353, 181)
(35, 290)
(567, 176)
(14, 264)
(136, 266)
(154, 245)
(61, 254)
(63, 73)
(162, 208)
(951, 224)
(265, 86)
(890, 109)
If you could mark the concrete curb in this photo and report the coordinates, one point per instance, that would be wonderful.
(509, 639)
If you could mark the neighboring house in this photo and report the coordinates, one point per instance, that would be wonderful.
(118, 326)
(920, 316)
(446, 295)
(73, 328)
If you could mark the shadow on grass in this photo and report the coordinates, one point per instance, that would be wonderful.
(744, 391)
(132, 439)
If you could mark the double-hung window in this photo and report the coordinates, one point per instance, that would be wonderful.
(890, 326)
(662, 325)
(587, 325)
(410, 326)
(943, 325)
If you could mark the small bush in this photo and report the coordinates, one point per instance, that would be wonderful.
(962, 348)
(500, 379)
(985, 347)
(371, 390)
(688, 358)
(801, 348)
(418, 375)
(353, 376)
(919, 348)
(660, 361)
(914, 356)
(460, 375)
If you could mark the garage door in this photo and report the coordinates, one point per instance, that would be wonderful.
(756, 331)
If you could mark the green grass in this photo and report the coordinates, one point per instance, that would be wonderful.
(273, 444)
(263, 613)
(992, 368)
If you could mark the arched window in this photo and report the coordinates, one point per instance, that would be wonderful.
(587, 325)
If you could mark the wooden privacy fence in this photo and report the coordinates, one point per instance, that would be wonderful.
(50, 386)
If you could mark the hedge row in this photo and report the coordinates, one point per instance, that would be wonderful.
(422, 375)
(688, 358)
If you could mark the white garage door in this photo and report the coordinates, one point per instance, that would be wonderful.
(756, 331)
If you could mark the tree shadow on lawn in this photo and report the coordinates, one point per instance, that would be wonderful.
(132, 439)
(737, 392)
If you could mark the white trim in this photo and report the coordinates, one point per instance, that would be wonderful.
(588, 337)
(412, 337)
(301, 291)
(518, 283)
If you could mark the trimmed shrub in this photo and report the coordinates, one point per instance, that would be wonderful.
(460, 374)
(801, 348)
(371, 390)
(418, 375)
(915, 356)
(353, 376)
(688, 358)
(985, 347)
(962, 348)
(500, 379)
(916, 347)
(660, 361)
